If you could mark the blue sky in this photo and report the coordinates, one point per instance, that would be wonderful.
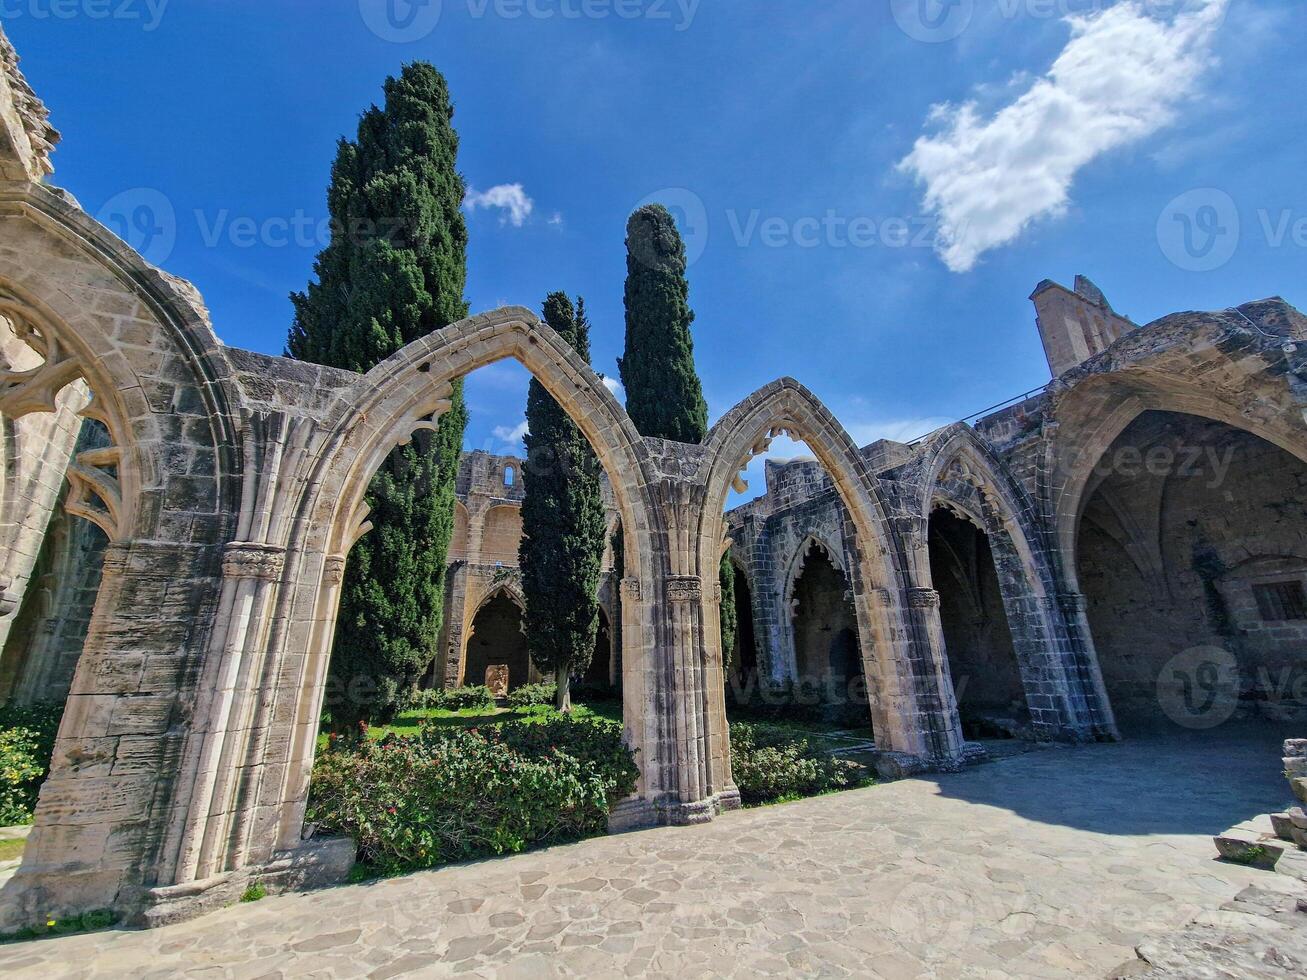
(816, 151)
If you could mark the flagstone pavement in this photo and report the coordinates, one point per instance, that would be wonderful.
(1055, 863)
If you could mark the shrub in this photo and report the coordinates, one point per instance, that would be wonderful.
(451, 794)
(27, 737)
(770, 766)
(455, 699)
(531, 695)
(594, 742)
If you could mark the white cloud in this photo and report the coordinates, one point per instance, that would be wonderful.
(897, 430)
(1122, 76)
(511, 436)
(556, 219)
(615, 386)
(511, 199)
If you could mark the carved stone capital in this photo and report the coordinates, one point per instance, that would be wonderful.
(631, 589)
(256, 561)
(333, 572)
(684, 588)
(923, 598)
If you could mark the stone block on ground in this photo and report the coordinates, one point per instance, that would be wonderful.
(1282, 825)
(1262, 854)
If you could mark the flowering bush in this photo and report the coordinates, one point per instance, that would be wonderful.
(26, 743)
(769, 767)
(453, 794)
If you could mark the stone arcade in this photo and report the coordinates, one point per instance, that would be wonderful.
(224, 489)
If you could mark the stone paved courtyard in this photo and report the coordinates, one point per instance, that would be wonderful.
(1053, 863)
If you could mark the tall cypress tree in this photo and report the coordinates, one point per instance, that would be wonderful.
(729, 616)
(394, 271)
(663, 394)
(563, 533)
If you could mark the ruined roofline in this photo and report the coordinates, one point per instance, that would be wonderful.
(26, 137)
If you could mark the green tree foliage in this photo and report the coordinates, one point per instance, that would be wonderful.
(394, 271)
(663, 395)
(730, 619)
(563, 531)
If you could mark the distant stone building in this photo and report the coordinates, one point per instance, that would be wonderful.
(484, 602)
(1189, 533)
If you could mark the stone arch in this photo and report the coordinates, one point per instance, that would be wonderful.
(794, 568)
(509, 590)
(1178, 553)
(794, 563)
(407, 394)
(1093, 414)
(162, 490)
(999, 505)
(903, 693)
(958, 471)
(745, 670)
(520, 673)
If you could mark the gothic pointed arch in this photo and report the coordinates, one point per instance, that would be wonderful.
(897, 686)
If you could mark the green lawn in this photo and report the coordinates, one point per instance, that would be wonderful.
(11, 850)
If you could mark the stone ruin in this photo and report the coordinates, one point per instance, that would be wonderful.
(208, 497)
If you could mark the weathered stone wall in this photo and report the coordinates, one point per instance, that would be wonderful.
(483, 558)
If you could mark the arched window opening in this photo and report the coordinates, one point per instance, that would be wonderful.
(977, 638)
(1192, 556)
(497, 650)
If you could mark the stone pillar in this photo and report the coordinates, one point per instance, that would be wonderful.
(102, 812)
(231, 714)
(937, 705)
(454, 631)
(938, 724)
(639, 709)
(1098, 706)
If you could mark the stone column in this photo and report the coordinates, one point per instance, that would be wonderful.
(937, 705)
(102, 813)
(1098, 705)
(231, 713)
(939, 727)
